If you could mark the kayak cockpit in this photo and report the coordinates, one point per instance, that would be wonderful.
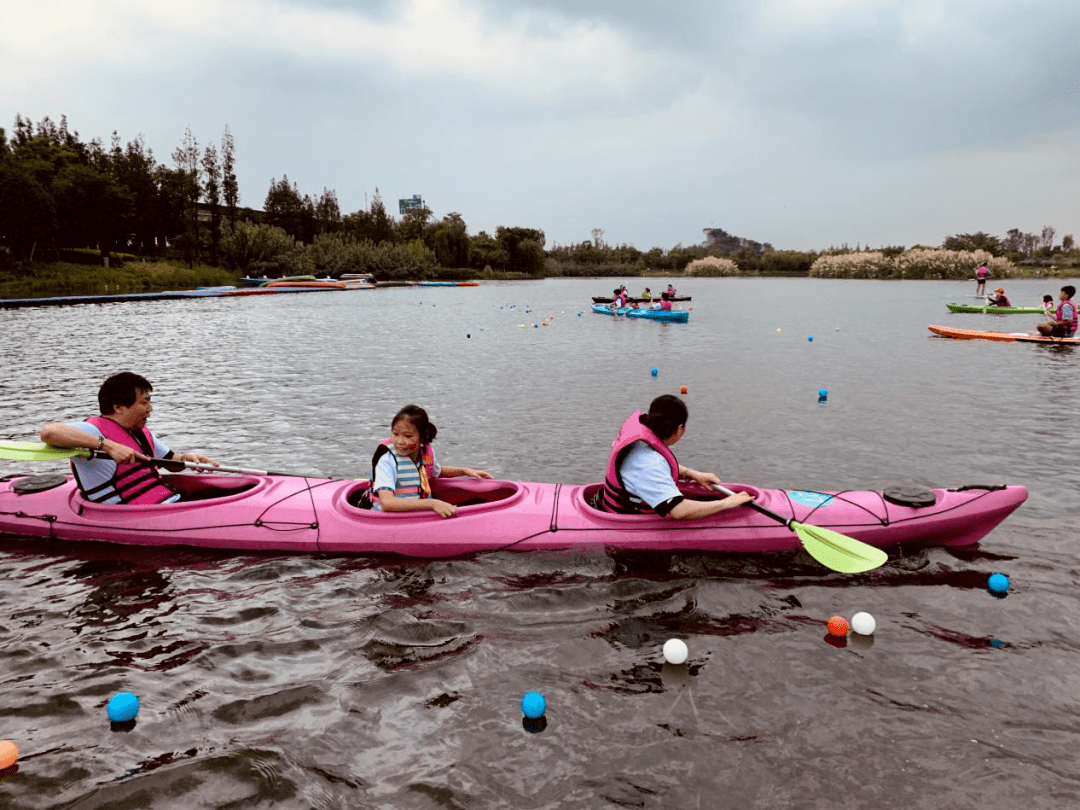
(473, 495)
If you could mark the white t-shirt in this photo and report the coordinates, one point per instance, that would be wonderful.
(647, 476)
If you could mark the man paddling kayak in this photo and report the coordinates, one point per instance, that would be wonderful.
(124, 475)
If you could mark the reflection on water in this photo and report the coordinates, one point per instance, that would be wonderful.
(268, 680)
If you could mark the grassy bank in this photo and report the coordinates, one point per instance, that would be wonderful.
(65, 278)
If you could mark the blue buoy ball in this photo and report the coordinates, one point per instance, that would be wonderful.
(654, 371)
(822, 393)
(122, 707)
(533, 705)
(468, 334)
(810, 339)
(998, 583)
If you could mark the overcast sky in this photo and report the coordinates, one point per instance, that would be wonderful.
(803, 123)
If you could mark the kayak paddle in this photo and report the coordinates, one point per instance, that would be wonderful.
(39, 451)
(832, 549)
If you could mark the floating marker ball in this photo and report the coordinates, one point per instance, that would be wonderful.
(533, 705)
(822, 393)
(778, 330)
(682, 390)
(122, 707)
(675, 651)
(654, 371)
(863, 624)
(838, 626)
(998, 583)
(810, 339)
(8, 754)
(468, 334)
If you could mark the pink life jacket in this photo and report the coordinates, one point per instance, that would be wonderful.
(665, 303)
(981, 273)
(426, 468)
(137, 483)
(1069, 325)
(613, 496)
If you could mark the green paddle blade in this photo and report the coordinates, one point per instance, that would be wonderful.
(837, 551)
(37, 451)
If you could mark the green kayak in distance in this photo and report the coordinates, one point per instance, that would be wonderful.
(995, 310)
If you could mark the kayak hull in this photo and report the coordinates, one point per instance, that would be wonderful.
(668, 315)
(308, 515)
(975, 334)
(995, 310)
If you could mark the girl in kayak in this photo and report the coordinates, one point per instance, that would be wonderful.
(404, 464)
(1048, 306)
(643, 474)
(998, 299)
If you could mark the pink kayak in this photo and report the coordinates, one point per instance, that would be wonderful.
(296, 514)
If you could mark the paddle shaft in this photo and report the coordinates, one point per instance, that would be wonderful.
(756, 507)
(194, 465)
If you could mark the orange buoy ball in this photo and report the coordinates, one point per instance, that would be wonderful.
(682, 390)
(838, 626)
(8, 754)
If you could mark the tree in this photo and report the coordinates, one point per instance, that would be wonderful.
(449, 240)
(26, 210)
(212, 197)
(327, 213)
(522, 245)
(974, 241)
(230, 188)
(382, 224)
(186, 158)
(284, 207)
(412, 224)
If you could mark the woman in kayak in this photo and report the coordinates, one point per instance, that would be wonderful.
(643, 474)
(998, 299)
(404, 464)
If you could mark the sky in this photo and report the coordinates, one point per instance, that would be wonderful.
(806, 124)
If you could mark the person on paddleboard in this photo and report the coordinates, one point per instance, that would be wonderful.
(1064, 322)
(643, 474)
(998, 299)
(981, 274)
(120, 471)
(404, 465)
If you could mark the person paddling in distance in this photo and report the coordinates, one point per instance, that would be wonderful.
(981, 274)
(121, 472)
(643, 475)
(1048, 307)
(1064, 321)
(998, 299)
(404, 465)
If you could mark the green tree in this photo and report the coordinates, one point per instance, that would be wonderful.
(186, 158)
(449, 240)
(382, 224)
(26, 210)
(284, 207)
(975, 241)
(230, 187)
(412, 224)
(212, 197)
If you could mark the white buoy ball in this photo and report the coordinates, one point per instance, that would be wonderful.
(675, 651)
(863, 624)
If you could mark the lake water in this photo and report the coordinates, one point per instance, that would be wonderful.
(326, 682)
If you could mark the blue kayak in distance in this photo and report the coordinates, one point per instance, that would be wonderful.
(668, 315)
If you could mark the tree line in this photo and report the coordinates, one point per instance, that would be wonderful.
(58, 192)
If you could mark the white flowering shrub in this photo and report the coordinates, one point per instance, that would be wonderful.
(712, 266)
(921, 263)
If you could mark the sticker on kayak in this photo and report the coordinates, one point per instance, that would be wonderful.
(811, 499)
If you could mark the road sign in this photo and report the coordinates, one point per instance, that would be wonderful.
(410, 204)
